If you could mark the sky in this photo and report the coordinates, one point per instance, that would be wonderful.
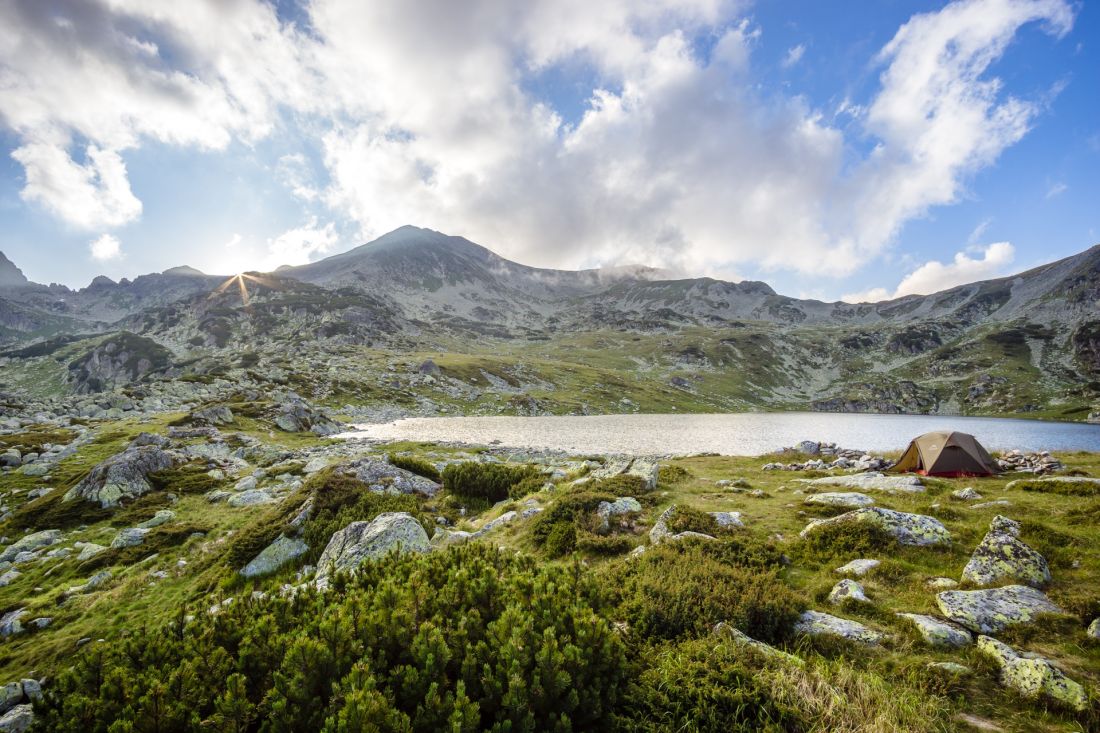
(834, 150)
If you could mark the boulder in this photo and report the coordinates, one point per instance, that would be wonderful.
(907, 529)
(660, 531)
(815, 623)
(939, 633)
(361, 541)
(162, 516)
(845, 499)
(385, 478)
(274, 556)
(11, 695)
(1002, 557)
(8, 578)
(858, 567)
(123, 476)
(216, 415)
(845, 590)
(447, 537)
(251, 498)
(728, 519)
(88, 550)
(130, 537)
(992, 610)
(967, 494)
(620, 507)
(30, 543)
(1094, 628)
(17, 720)
(873, 482)
(1033, 676)
(11, 623)
(298, 416)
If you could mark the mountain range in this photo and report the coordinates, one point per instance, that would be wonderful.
(1027, 343)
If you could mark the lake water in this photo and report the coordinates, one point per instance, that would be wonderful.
(739, 434)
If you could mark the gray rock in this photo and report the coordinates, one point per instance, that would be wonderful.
(939, 633)
(907, 529)
(1033, 676)
(845, 590)
(385, 478)
(32, 689)
(88, 550)
(30, 543)
(1094, 628)
(1001, 557)
(815, 623)
(660, 531)
(283, 550)
(992, 610)
(8, 578)
(248, 483)
(361, 541)
(500, 521)
(728, 519)
(123, 476)
(11, 623)
(162, 516)
(252, 497)
(858, 567)
(447, 537)
(873, 482)
(35, 469)
(952, 668)
(992, 504)
(17, 720)
(731, 633)
(298, 416)
(942, 583)
(689, 535)
(967, 494)
(846, 499)
(216, 415)
(11, 695)
(619, 507)
(129, 537)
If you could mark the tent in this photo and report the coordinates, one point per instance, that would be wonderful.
(946, 453)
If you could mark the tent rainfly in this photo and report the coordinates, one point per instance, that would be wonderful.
(946, 453)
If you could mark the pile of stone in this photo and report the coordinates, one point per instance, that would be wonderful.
(830, 456)
(1041, 462)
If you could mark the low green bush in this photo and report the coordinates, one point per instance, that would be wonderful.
(561, 540)
(690, 519)
(594, 544)
(621, 485)
(845, 540)
(574, 509)
(416, 465)
(1063, 488)
(489, 481)
(191, 478)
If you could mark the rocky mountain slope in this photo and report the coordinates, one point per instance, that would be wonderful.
(511, 338)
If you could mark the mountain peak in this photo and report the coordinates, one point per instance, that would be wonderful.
(184, 271)
(10, 275)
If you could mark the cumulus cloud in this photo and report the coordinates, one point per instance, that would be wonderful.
(105, 248)
(298, 246)
(794, 55)
(424, 113)
(932, 277)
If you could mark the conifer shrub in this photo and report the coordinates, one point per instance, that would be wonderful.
(487, 481)
(690, 519)
(851, 539)
(594, 544)
(621, 485)
(561, 540)
(574, 509)
(416, 465)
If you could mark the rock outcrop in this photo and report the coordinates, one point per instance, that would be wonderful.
(907, 529)
(1033, 676)
(123, 476)
(385, 478)
(283, 550)
(1002, 557)
(361, 541)
(992, 610)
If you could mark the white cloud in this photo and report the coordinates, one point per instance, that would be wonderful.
(1056, 189)
(932, 277)
(233, 242)
(421, 113)
(978, 232)
(794, 55)
(105, 248)
(299, 246)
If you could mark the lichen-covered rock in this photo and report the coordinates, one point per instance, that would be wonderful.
(17, 720)
(124, 475)
(620, 507)
(728, 519)
(298, 416)
(162, 516)
(846, 590)
(992, 610)
(1001, 557)
(214, 415)
(967, 494)
(1033, 676)
(274, 556)
(735, 635)
(1094, 628)
(88, 550)
(907, 529)
(385, 478)
(660, 531)
(815, 623)
(8, 578)
(252, 497)
(643, 468)
(447, 537)
(942, 583)
(873, 482)
(939, 633)
(952, 668)
(30, 543)
(361, 541)
(11, 695)
(845, 499)
(688, 535)
(11, 623)
(130, 537)
(859, 567)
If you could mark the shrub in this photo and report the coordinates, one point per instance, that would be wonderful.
(570, 509)
(488, 481)
(621, 485)
(419, 466)
(845, 540)
(689, 519)
(1058, 487)
(672, 475)
(561, 540)
(188, 479)
(595, 544)
(682, 590)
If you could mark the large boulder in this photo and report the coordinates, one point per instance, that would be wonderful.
(385, 478)
(124, 475)
(939, 633)
(361, 541)
(907, 529)
(815, 623)
(992, 610)
(30, 543)
(873, 482)
(274, 556)
(1033, 676)
(214, 415)
(844, 499)
(298, 416)
(1002, 557)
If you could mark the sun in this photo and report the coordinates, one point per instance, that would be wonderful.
(239, 281)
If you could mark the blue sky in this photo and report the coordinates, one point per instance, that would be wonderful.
(904, 147)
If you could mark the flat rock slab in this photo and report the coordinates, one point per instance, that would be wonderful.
(845, 499)
(1054, 481)
(815, 623)
(908, 529)
(1001, 557)
(873, 482)
(1033, 676)
(858, 567)
(992, 610)
(274, 556)
(939, 633)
